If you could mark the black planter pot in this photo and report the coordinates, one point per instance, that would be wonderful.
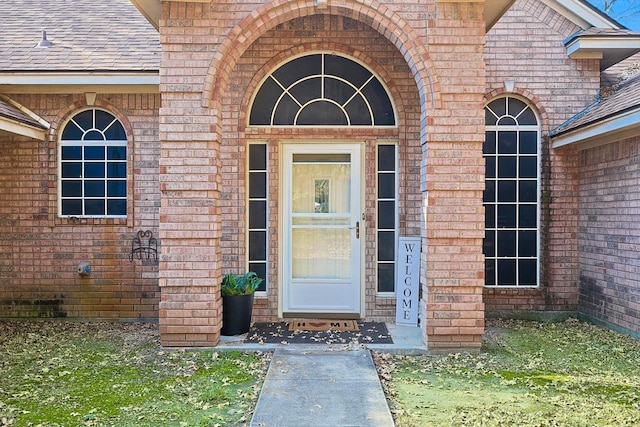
(236, 314)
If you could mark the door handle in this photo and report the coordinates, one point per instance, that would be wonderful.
(357, 228)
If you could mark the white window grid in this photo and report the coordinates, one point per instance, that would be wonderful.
(82, 179)
(396, 217)
(266, 214)
(518, 129)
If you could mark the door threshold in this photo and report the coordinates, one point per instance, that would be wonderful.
(349, 316)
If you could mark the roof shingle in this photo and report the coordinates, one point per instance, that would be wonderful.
(87, 35)
(625, 98)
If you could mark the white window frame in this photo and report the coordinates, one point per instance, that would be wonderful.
(517, 128)
(266, 200)
(396, 214)
(374, 76)
(92, 143)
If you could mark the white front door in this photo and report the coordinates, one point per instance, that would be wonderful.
(322, 228)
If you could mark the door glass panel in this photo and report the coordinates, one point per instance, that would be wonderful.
(257, 214)
(386, 210)
(308, 180)
(258, 185)
(331, 263)
(320, 217)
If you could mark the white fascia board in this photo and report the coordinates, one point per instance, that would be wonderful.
(79, 82)
(603, 132)
(580, 14)
(600, 44)
(23, 129)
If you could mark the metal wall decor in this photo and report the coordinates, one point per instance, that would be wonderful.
(144, 246)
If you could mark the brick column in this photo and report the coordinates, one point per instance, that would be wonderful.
(190, 263)
(453, 176)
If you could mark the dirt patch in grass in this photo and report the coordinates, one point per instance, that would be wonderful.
(528, 374)
(105, 374)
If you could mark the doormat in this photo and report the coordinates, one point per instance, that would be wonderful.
(279, 333)
(311, 325)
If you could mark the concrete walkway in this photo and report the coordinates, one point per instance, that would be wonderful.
(315, 386)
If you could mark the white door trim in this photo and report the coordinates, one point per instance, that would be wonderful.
(356, 150)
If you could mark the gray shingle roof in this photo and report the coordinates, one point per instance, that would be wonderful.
(87, 35)
(625, 98)
(613, 75)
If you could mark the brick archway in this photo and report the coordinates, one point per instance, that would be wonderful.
(379, 16)
(444, 53)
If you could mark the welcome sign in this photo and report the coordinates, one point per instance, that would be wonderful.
(408, 281)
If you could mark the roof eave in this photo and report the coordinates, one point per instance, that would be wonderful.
(80, 82)
(582, 14)
(615, 128)
(493, 11)
(18, 128)
(608, 49)
(152, 10)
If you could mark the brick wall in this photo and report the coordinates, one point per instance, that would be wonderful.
(39, 252)
(526, 46)
(609, 234)
(212, 57)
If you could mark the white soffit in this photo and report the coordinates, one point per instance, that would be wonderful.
(493, 11)
(150, 9)
(610, 49)
(78, 82)
(601, 44)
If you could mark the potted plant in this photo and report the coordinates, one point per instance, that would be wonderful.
(237, 302)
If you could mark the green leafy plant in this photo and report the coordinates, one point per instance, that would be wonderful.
(240, 284)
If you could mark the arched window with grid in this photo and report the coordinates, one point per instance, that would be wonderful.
(93, 166)
(512, 194)
(322, 89)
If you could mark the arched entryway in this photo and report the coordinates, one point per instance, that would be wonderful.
(435, 153)
(322, 219)
(324, 212)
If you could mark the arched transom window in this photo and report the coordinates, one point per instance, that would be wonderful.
(93, 166)
(512, 194)
(322, 90)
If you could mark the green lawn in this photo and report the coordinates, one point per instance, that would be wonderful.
(528, 374)
(99, 374)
